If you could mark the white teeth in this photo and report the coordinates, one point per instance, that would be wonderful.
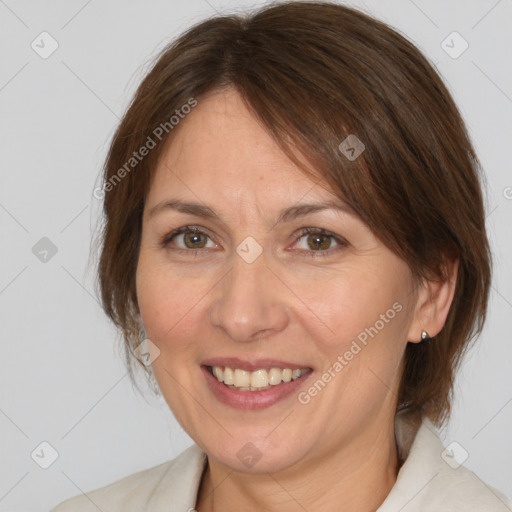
(228, 375)
(258, 380)
(274, 376)
(242, 379)
(287, 375)
(218, 373)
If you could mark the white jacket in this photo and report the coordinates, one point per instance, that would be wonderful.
(430, 480)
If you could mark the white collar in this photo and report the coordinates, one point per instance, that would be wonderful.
(428, 481)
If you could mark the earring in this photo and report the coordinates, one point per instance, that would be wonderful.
(424, 336)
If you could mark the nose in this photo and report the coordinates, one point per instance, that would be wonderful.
(248, 303)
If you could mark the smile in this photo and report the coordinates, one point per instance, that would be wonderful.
(258, 380)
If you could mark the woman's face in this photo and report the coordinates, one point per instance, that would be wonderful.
(252, 289)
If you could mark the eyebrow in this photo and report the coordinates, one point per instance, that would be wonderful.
(286, 215)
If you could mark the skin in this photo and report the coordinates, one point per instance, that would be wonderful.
(293, 303)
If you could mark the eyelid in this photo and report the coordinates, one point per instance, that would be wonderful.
(341, 242)
(168, 237)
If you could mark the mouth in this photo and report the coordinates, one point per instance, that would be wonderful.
(253, 384)
(260, 379)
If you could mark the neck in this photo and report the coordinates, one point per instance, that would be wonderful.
(356, 477)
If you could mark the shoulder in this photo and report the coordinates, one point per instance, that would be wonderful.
(431, 480)
(174, 481)
(466, 492)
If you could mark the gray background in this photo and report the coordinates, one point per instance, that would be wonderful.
(62, 379)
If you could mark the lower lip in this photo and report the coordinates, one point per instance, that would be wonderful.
(251, 399)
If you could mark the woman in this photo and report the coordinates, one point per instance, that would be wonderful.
(295, 232)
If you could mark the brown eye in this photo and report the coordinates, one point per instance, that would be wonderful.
(318, 241)
(194, 240)
(187, 239)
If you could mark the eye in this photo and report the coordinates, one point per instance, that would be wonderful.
(316, 240)
(188, 238)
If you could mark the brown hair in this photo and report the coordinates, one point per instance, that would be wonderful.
(314, 73)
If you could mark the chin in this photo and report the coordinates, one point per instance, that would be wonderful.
(256, 454)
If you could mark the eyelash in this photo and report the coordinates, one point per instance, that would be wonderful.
(304, 231)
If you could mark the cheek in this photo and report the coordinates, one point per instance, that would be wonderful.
(343, 303)
(169, 303)
(361, 312)
(170, 308)
(362, 354)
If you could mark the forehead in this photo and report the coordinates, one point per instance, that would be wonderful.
(221, 150)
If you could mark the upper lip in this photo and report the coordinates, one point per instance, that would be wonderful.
(251, 365)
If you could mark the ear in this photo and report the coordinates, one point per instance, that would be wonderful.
(433, 303)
